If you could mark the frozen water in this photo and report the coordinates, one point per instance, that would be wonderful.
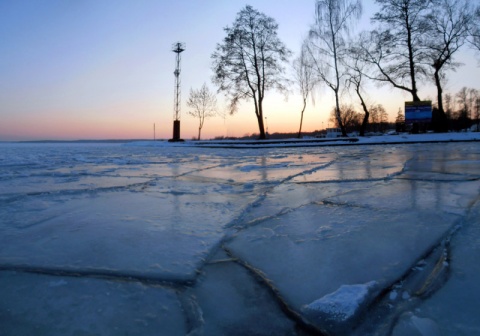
(153, 238)
(229, 301)
(55, 305)
(323, 246)
(455, 306)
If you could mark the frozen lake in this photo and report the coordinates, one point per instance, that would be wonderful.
(132, 239)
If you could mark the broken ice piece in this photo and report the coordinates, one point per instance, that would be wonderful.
(338, 309)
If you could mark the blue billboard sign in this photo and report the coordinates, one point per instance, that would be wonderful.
(418, 112)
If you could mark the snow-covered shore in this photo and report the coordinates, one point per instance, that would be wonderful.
(404, 138)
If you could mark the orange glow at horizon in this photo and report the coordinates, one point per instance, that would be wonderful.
(131, 121)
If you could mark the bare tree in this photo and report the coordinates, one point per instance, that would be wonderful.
(396, 50)
(449, 24)
(328, 45)
(203, 104)
(350, 118)
(475, 30)
(476, 109)
(305, 79)
(463, 112)
(383, 119)
(473, 95)
(400, 116)
(378, 115)
(355, 78)
(250, 61)
(448, 105)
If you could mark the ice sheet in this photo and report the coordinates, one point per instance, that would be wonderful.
(312, 251)
(161, 234)
(55, 305)
(454, 309)
(217, 237)
(228, 301)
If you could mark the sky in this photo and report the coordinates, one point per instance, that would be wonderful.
(89, 69)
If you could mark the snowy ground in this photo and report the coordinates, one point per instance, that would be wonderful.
(174, 239)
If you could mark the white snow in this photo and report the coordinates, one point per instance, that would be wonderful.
(343, 303)
(367, 140)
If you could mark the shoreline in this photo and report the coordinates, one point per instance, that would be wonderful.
(279, 143)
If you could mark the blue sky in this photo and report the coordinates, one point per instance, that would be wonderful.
(104, 69)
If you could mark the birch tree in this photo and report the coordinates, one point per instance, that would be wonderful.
(305, 79)
(328, 46)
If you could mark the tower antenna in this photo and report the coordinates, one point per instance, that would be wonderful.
(177, 48)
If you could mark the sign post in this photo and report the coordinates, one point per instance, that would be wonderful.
(418, 113)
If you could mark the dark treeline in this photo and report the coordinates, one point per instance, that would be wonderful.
(462, 112)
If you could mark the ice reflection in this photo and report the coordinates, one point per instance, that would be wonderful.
(356, 168)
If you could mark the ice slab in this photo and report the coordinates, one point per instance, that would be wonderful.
(441, 159)
(412, 325)
(342, 304)
(358, 165)
(412, 195)
(159, 235)
(264, 169)
(336, 312)
(312, 251)
(53, 184)
(289, 196)
(53, 305)
(454, 309)
(230, 301)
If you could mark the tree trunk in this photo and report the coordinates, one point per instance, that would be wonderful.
(199, 131)
(301, 119)
(259, 114)
(440, 122)
(261, 127)
(411, 63)
(439, 91)
(337, 77)
(363, 127)
(337, 114)
(365, 109)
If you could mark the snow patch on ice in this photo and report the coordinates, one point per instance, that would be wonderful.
(405, 295)
(393, 295)
(342, 304)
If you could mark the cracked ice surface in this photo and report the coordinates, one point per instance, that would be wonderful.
(142, 239)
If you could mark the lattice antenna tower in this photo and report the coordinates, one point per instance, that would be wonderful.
(177, 48)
